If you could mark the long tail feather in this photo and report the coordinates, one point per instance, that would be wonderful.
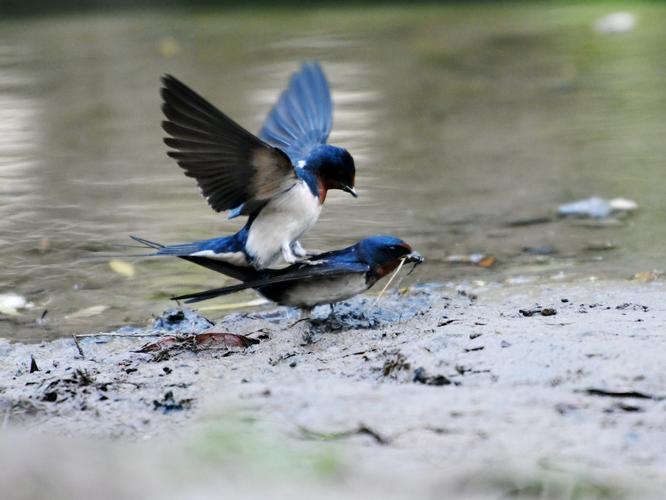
(190, 298)
(146, 243)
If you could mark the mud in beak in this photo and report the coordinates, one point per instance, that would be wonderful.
(350, 190)
(414, 257)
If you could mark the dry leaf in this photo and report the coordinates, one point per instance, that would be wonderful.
(87, 312)
(487, 262)
(647, 276)
(168, 46)
(121, 267)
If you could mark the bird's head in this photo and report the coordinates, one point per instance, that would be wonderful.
(334, 168)
(384, 253)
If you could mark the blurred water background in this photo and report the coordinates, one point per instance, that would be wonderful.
(469, 123)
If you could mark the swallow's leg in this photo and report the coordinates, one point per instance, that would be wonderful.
(306, 313)
(298, 250)
(287, 254)
(301, 253)
(304, 255)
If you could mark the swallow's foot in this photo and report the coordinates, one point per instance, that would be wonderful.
(304, 255)
(308, 330)
(309, 262)
(298, 322)
(308, 334)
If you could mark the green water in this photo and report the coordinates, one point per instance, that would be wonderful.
(461, 119)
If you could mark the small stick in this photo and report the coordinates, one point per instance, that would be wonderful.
(125, 335)
(76, 337)
(78, 346)
(388, 283)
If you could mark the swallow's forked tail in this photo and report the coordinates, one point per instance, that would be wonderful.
(179, 250)
(190, 298)
(147, 243)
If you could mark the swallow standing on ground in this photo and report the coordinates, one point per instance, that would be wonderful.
(327, 278)
(279, 179)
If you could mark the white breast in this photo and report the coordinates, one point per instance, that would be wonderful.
(283, 220)
(234, 258)
(310, 293)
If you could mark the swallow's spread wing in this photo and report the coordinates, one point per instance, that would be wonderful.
(302, 118)
(231, 165)
(298, 272)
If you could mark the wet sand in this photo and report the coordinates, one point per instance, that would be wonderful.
(436, 392)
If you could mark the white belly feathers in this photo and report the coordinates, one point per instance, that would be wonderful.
(310, 293)
(283, 220)
(234, 258)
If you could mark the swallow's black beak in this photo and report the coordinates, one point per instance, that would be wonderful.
(350, 190)
(414, 257)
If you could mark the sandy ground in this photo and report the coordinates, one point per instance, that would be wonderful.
(434, 393)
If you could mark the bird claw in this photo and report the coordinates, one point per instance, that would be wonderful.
(308, 336)
(309, 262)
(298, 251)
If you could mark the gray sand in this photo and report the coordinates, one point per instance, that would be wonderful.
(438, 394)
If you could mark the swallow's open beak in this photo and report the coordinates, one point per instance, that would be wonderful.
(415, 257)
(350, 190)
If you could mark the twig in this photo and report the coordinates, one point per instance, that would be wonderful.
(329, 436)
(125, 335)
(388, 283)
(78, 346)
(297, 322)
(592, 391)
(77, 336)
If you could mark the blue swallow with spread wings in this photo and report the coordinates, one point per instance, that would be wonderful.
(279, 179)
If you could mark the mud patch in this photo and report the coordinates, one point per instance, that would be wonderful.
(438, 379)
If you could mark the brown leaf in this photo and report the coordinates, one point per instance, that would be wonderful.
(199, 341)
(208, 339)
(647, 276)
(487, 262)
(163, 343)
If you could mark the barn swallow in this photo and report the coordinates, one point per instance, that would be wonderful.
(326, 278)
(278, 179)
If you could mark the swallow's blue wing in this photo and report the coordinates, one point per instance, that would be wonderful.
(231, 166)
(302, 118)
(297, 272)
(243, 273)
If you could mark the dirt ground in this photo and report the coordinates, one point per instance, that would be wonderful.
(547, 391)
